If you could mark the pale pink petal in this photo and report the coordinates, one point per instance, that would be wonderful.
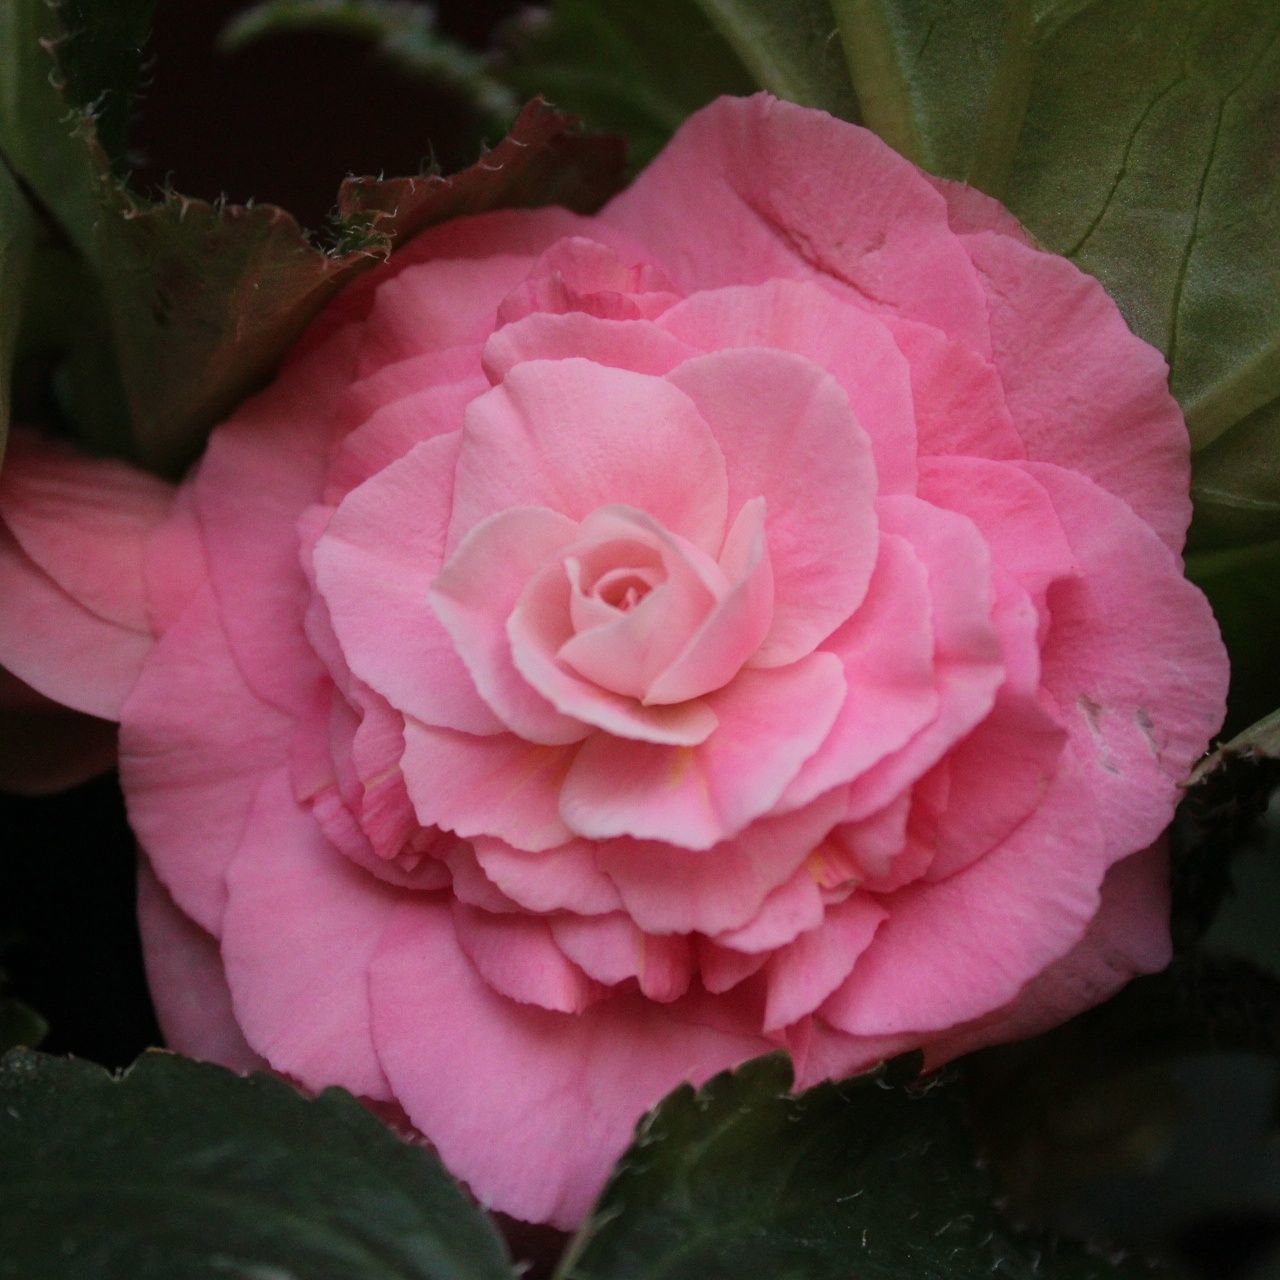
(970, 210)
(515, 955)
(195, 740)
(531, 1108)
(497, 785)
(849, 343)
(187, 983)
(1084, 392)
(958, 397)
(638, 345)
(865, 849)
(474, 595)
(1128, 936)
(793, 907)
(1133, 660)
(84, 522)
(801, 976)
(612, 950)
(374, 566)
(671, 890)
(471, 884)
(262, 469)
(788, 435)
(770, 722)
(887, 651)
(300, 928)
(57, 646)
(967, 652)
(751, 189)
(737, 624)
(563, 879)
(573, 436)
(722, 969)
(173, 562)
(959, 948)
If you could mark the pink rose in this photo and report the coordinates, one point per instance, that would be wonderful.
(615, 647)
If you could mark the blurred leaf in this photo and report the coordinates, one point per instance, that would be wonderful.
(19, 1024)
(944, 84)
(17, 238)
(612, 64)
(791, 47)
(401, 30)
(862, 1179)
(206, 299)
(1236, 484)
(182, 1169)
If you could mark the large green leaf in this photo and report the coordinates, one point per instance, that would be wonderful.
(612, 64)
(17, 238)
(791, 47)
(862, 1179)
(182, 1169)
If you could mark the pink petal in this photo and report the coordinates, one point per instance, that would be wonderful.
(794, 906)
(83, 522)
(195, 739)
(967, 653)
(969, 210)
(563, 879)
(1133, 659)
(801, 976)
(173, 562)
(751, 189)
(573, 436)
(722, 969)
(262, 469)
(57, 646)
(612, 950)
(515, 955)
(770, 722)
(474, 595)
(374, 566)
(887, 651)
(788, 435)
(964, 946)
(530, 1107)
(666, 889)
(1084, 392)
(300, 928)
(188, 987)
(1128, 936)
(638, 345)
(487, 786)
(849, 343)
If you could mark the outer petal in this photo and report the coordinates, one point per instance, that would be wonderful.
(187, 983)
(753, 189)
(695, 797)
(261, 471)
(195, 739)
(530, 1107)
(574, 436)
(788, 435)
(1084, 392)
(301, 926)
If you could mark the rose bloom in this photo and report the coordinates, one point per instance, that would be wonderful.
(617, 647)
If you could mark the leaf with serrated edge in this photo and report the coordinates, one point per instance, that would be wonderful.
(179, 1168)
(862, 1178)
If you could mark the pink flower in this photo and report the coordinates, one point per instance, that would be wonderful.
(615, 647)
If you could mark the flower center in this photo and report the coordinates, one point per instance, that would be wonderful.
(623, 589)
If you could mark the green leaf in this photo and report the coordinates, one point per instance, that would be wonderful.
(182, 1169)
(19, 1024)
(1236, 483)
(944, 84)
(1151, 155)
(205, 299)
(17, 239)
(863, 1179)
(611, 64)
(791, 47)
(403, 32)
